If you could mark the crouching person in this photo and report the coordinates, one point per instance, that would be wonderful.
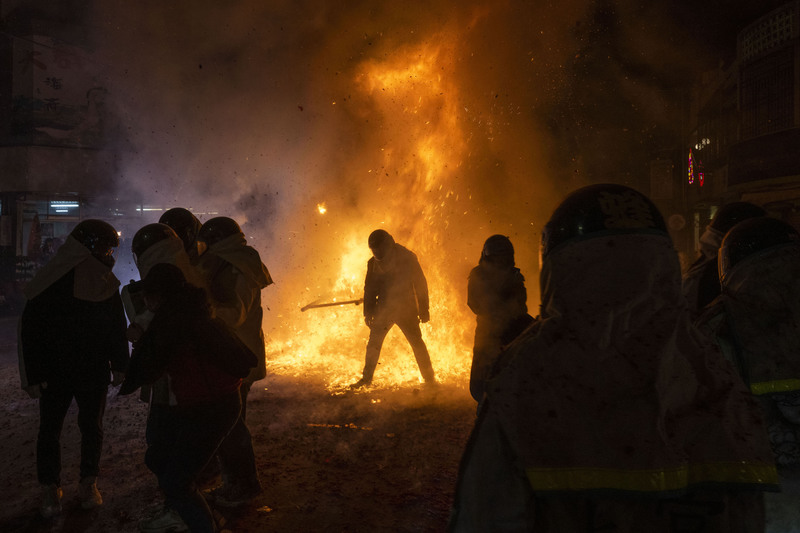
(204, 363)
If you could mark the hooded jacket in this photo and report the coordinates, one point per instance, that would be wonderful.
(611, 393)
(235, 277)
(72, 328)
(756, 322)
(396, 285)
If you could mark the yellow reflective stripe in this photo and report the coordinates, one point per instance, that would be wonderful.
(655, 480)
(780, 385)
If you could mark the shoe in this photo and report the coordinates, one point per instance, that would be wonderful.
(166, 521)
(88, 493)
(363, 382)
(236, 496)
(212, 495)
(51, 501)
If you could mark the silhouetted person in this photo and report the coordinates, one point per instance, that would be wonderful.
(611, 412)
(235, 277)
(756, 322)
(395, 293)
(152, 245)
(72, 340)
(701, 281)
(194, 352)
(496, 294)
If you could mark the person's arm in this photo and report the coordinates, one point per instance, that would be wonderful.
(32, 349)
(420, 289)
(234, 311)
(120, 356)
(370, 293)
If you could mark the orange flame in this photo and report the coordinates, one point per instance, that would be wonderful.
(418, 190)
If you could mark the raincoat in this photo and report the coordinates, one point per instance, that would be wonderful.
(72, 328)
(170, 251)
(756, 322)
(498, 298)
(611, 410)
(235, 277)
(701, 282)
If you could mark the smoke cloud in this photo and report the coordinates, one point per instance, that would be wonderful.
(442, 123)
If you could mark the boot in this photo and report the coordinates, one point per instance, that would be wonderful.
(51, 500)
(88, 493)
(164, 521)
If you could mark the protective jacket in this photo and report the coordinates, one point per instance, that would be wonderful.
(235, 277)
(756, 322)
(175, 347)
(396, 285)
(498, 298)
(611, 397)
(172, 252)
(700, 284)
(72, 328)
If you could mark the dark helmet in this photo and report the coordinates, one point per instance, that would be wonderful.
(148, 235)
(499, 250)
(380, 242)
(99, 237)
(750, 237)
(185, 224)
(606, 208)
(217, 229)
(731, 214)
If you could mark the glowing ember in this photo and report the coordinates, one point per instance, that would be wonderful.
(321, 208)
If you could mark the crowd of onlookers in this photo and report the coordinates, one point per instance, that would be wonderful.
(640, 398)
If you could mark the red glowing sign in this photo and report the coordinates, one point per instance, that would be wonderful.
(695, 170)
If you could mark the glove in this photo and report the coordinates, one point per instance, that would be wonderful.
(134, 332)
(369, 320)
(424, 316)
(117, 378)
(35, 391)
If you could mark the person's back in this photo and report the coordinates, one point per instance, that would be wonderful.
(612, 412)
(496, 294)
(756, 322)
(700, 282)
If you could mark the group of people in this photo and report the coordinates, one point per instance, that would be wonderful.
(637, 400)
(640, 399)
(194, 322)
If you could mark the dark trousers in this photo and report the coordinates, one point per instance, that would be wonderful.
(180, 446)
(53, 407)
(237, 459)
(410, 328)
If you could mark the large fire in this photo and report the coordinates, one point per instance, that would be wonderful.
(417, 198)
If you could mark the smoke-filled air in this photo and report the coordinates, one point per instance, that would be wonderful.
(313, 123)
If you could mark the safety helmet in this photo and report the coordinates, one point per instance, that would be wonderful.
(217, 229)
(601, 209)
(731, 214)
(148, 235)
(498, 250)
(750, 237)
(99, 237)
(380, 241)
(185, 225)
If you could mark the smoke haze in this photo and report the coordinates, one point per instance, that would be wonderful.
(442, 123)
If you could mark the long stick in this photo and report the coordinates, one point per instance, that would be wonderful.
(314, 305)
